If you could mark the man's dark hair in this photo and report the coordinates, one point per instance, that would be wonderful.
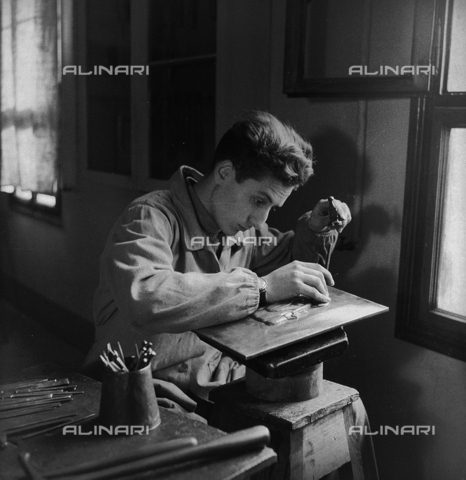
(261, 145)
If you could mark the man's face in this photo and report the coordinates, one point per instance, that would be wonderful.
(240, 206)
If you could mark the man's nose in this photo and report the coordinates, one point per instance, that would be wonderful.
(257, 219)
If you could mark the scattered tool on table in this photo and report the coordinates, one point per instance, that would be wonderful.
(33, 396)
(12, 386)
(180, 450)
(40, 427)
(144, 452)
(61, 424)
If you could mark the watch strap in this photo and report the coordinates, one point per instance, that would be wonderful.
(262, 292)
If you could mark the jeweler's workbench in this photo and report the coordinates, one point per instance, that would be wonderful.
(310, 419)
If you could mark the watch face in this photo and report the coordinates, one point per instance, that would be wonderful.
(262, 285)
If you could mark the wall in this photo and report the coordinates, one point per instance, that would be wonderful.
(361, 151)
(60, 263)
(360, 147)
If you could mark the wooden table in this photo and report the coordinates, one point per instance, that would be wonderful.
(54, 450)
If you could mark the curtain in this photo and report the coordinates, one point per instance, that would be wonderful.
(29, 96)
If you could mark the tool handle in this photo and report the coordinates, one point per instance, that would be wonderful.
(242, 441)
(234, 443)
(152, 450)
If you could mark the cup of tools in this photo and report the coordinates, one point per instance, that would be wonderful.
(128, 397)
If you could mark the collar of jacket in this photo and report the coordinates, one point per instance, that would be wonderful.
(192, 231)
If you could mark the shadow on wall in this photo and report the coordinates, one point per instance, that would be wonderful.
(336, 163)
(365, 263)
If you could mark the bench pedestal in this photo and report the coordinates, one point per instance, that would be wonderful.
(309, 418)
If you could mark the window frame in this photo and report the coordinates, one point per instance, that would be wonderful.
(37, 210)
(432, 116)
(140, 178)
(418, 321)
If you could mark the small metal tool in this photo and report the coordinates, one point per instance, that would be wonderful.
(333, 214)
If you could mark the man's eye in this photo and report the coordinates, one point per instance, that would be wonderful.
(259, 202)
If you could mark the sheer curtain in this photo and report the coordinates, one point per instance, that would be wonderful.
(29, 96)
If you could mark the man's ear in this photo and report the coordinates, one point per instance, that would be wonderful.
(224, 171)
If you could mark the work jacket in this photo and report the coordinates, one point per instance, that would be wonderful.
(160, 280)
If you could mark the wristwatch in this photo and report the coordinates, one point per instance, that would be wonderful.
(262, 292)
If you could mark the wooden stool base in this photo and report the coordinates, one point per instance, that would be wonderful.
(294, 388)
(310, 437)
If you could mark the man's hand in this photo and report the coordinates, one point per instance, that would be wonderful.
(308, 279)
(321, 220)
(170, 396)
(228, 370)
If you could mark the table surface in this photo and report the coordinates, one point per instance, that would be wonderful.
(54, 450)
(249, 338)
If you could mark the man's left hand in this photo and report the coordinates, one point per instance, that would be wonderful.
(321, 221)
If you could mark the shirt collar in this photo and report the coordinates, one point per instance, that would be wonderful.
(206, 220)
(195, 228)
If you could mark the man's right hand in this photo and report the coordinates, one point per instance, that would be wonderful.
(308, 279)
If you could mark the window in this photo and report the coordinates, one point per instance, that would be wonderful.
(182, 46)
(450, 265)
(139, 128)
(108, 45)
(432, 301)
(30, 82)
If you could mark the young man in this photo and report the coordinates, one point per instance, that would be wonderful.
(201, 254)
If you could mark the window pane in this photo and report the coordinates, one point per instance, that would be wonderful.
(334, 31)
(29, 96)
(371, 34)
(457, 59)
(108, 45)
(181, 29)
(182, 46)
(451, 287)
